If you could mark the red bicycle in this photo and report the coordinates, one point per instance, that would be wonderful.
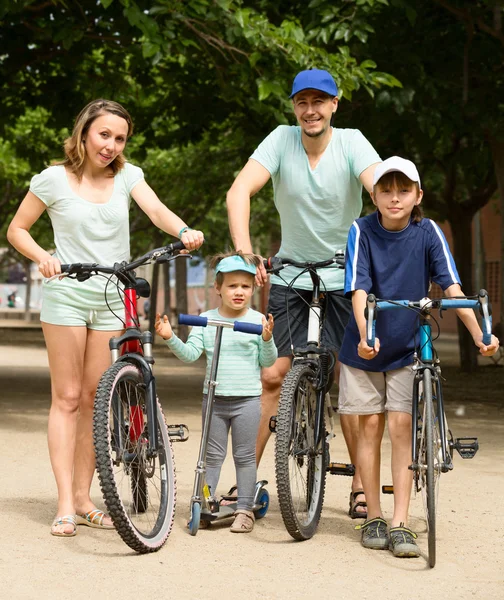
(134, 456)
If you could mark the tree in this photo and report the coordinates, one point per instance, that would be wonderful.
(201, 77)
(439, 118)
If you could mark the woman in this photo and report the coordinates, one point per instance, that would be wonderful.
(87, 197)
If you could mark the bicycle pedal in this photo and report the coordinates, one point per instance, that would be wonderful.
(336, 468)
(387, 489)
(272, 424)
(466, 447)
(178, 432)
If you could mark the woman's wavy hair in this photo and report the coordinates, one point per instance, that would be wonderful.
(75, 150)
(250, 259)
(399, 180)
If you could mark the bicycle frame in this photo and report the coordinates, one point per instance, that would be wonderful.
(426, 361)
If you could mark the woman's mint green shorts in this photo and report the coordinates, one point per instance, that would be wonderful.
(68, 305)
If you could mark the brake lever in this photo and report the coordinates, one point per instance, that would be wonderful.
(167, 258)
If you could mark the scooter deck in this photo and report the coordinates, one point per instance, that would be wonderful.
(224, 512)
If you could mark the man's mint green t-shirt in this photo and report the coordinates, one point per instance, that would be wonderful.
(317, 206)
(85, 232)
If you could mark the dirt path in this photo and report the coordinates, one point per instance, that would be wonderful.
(216, 564)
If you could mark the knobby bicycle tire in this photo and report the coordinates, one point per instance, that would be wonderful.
(139, 489)
(300, 467)
(429, 461)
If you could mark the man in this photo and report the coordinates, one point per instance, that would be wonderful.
(318, 172)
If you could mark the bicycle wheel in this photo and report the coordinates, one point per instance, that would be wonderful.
(300, 466)
(139, 487)
(429, 462)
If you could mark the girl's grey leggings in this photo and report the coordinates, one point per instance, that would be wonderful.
(242, 415)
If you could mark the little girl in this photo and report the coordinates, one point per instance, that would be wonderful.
(238, 395)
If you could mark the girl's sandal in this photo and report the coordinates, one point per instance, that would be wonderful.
(244, 521)
(66, 520)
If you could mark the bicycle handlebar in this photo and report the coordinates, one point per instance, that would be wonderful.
(424, 306)
(274, 264)
(242, 326)
(85, 270)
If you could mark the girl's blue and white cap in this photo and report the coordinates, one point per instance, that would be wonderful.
(396, 163)
(234, 263)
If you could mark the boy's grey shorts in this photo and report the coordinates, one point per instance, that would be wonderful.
(370, 392)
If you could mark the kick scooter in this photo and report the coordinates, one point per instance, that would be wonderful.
(204, 505)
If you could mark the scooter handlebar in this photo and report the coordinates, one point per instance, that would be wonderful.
(248, 327)
(242, 326)
(192, 320)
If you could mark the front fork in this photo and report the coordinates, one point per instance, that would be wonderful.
(438, 415)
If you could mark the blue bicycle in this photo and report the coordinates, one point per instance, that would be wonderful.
(432, 440)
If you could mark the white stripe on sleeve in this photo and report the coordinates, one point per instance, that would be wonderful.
(356, 255)
(446, 251)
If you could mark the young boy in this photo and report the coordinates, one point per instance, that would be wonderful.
(393, 253)
(238, 394)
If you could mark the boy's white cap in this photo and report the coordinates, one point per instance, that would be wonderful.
(396, 163)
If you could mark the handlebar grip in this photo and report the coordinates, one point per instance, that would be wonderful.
(177, 246)
(487, 317)
(273, 263)
(65, 268)
(370, 320)
(248, 327)
(192, 320)
(339, 259)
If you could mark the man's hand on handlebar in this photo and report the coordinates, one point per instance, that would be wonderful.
(364, 351)
(261, 277)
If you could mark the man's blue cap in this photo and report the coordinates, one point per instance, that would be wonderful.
(314, 79)
(234, 263)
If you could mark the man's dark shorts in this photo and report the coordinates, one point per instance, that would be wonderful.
(288, 308)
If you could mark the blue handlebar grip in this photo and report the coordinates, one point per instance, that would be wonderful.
(192, 320)
(248, 327)
(487, 317)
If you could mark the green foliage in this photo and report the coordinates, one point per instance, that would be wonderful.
(202, 78)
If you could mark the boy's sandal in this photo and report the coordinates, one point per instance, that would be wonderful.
(244, 521)
(65, 520)
(93, 518)
(230, 498)
(352, 511)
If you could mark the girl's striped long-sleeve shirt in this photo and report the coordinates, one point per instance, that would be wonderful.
(241, 354)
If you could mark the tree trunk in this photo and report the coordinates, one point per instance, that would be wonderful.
(27, 267)
(181, 294)
(460, 222)
(153, 297)
(167, 289)
(497, 146)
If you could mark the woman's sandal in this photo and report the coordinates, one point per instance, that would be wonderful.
(352, 511)
(93, 518)
(244, 521)
(66, 520)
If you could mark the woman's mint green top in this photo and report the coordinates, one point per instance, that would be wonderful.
(317, 206)
(241, 355)
(85, 232)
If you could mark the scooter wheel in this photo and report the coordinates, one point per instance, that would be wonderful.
(263, 501)
(194, 523)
